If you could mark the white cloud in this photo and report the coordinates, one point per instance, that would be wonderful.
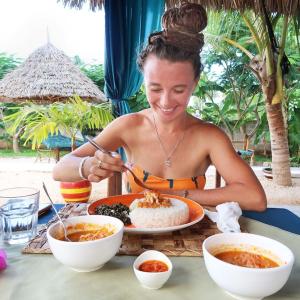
(24, 23)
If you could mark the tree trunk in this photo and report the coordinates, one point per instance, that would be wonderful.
(265, 146)
(73, 143)
(16, 147)
(279, 145)
(246, 142)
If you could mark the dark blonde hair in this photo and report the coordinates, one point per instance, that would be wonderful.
(181, 38)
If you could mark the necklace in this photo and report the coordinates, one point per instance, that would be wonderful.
(168, 162)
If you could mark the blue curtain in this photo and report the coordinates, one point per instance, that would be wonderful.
(128, 24)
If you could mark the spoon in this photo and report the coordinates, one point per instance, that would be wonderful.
(136, 179)
(59, 218)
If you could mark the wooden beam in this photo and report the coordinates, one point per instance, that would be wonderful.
(217, 179)
(114, 186)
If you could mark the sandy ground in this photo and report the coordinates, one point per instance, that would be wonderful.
(30, 172)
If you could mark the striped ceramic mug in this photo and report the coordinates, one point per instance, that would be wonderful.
(78, 191)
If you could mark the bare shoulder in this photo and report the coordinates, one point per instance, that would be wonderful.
(130, 121)
(207, 132)
(125, 127)
(116, 133)
(208, 127)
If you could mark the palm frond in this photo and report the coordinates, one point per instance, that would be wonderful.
(94, 4)
(69, 118)
(296, 22)
(254, 33)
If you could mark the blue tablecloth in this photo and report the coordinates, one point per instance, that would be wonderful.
(278, 217)
(46, 217)
(60, 141)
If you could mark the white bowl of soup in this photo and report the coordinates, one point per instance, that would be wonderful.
(152, 269)
(94, 241)
(247, 266)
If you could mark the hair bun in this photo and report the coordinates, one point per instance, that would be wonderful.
(182, 26)
(189, 17)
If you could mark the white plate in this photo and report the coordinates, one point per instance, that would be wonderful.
(196, 212)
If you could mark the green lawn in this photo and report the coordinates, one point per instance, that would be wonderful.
(24, 152)
(261, 159)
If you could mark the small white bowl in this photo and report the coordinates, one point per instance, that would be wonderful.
(153, 280)
(89, 255)
(242, 282)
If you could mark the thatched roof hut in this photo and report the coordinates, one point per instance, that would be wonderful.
(286, 7)
(46, 76)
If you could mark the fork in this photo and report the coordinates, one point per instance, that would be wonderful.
(135, 178)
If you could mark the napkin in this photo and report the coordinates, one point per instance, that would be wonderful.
(3, 263)
(226, 216)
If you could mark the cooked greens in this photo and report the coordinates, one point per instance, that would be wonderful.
(119, 211)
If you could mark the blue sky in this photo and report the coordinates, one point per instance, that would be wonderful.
(24, 23)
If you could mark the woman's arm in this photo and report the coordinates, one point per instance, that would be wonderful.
(242, 184)
(67, 169)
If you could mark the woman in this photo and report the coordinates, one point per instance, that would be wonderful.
(174, 147)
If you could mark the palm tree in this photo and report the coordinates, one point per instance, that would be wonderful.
(39, 121)
(267, 60)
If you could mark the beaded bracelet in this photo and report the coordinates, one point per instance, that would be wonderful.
(80, 169)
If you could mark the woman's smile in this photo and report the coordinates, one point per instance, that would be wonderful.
(167, 110)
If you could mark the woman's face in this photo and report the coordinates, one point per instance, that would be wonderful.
(169, 86)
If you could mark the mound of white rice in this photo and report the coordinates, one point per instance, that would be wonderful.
(176, 214)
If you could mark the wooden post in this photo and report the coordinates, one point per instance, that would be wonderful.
(114, 186)
(56, 154)
(217, 179)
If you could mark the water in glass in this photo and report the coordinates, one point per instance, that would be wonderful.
(19, 214)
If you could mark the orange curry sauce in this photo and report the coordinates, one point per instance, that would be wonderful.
(246, 259)
(153, 266)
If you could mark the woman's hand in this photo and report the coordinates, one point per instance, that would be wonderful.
(102, 165)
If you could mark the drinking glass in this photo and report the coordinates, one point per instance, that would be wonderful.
(18, 214)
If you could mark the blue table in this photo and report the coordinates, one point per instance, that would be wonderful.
(58, 141)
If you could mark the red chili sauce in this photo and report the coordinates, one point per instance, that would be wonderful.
(246, 259)
(153, 266)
